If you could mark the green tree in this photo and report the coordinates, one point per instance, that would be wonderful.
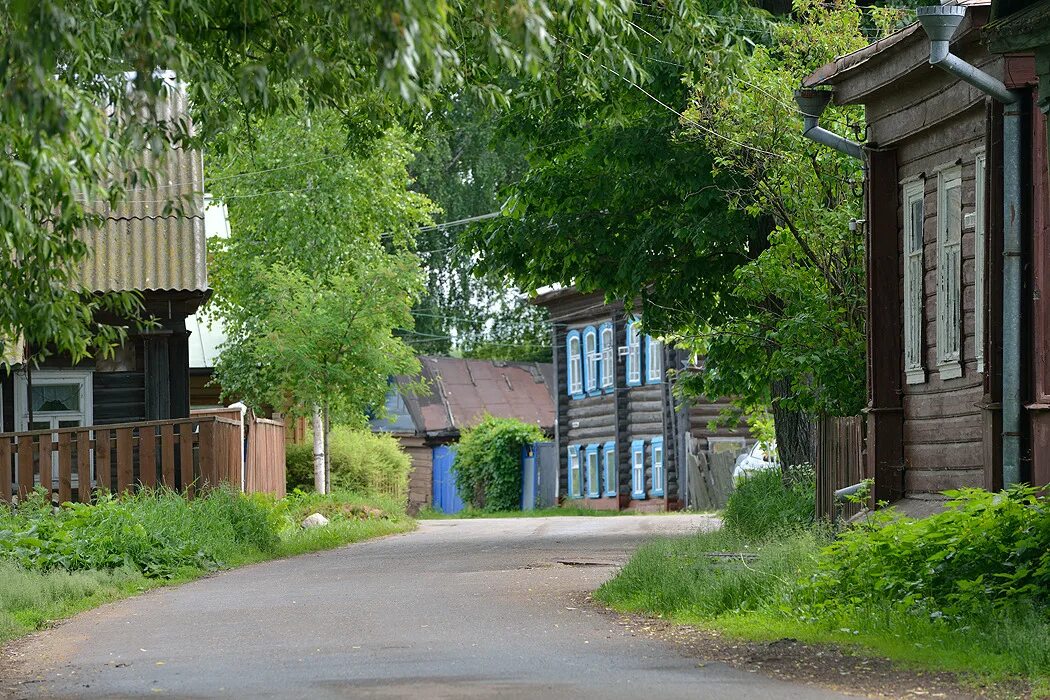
(317, 278)
(797, 343)
(81, 87)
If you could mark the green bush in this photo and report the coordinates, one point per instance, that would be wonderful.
(763, 506)
(488, 462)
(987, 549)
(361, 461)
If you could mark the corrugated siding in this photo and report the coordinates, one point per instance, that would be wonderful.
(155, 239)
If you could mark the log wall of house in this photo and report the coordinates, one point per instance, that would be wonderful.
(934, 121)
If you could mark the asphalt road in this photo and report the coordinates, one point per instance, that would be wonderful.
(457, 609)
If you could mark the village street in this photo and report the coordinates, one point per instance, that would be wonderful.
(459, 608)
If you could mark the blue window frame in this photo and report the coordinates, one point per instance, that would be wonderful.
(610, 468)
(638, 469)
(657, 461)
(606, 347)
(634, 352)
(575, 475)
(591, 361)
(594, 486)
(654, 360)
(574, 365)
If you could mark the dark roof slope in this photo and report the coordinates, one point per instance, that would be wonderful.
(461, 391)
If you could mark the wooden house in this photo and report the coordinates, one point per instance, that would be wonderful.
(623, 438)
(143, 247)
(952, 348)
(461, 391)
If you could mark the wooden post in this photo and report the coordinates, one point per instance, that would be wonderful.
(25, 466)
(46, 471)
(65, 467)
(167, 455)
(84, 466)
(206, 451)
(103, 473)
(5, 469)
(186, 458)
(125, 460)
(885, 454)
(148, 456)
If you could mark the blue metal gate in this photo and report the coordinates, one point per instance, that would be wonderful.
(446, 498)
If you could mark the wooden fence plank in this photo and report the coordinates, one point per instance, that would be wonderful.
(148, 456)
(65, 468)
(125, 463)
(103, 465)
(45, 448)
(25, 466)
(186, 458)
(84, 466)
(206, 452)
(5, 469)
(167, 455)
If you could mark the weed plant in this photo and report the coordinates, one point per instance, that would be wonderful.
(766, 502)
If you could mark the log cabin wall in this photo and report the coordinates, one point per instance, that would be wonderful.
(627, 414)
(927, 122)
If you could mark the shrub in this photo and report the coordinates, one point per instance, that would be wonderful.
(762, 505)
(986, 550)
(488, 462)
(362, 462)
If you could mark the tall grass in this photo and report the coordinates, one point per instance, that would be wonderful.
(762, 504)
(54, 564)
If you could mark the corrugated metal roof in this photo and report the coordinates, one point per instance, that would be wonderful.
(461, 391)
(155, 239)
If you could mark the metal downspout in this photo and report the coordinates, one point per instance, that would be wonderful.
(940, 23)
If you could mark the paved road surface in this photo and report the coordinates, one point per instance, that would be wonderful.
(457, 609)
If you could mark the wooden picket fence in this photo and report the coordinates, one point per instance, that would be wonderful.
(839, 462)
(265, 457)
(185, 454)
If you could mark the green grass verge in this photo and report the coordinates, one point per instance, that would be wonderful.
(32, 599)
(755, 597)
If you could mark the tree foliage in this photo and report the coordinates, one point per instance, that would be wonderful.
(317, 277)
(81, 83)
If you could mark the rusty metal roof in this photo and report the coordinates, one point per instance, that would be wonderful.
(155, 239)
(462, 391)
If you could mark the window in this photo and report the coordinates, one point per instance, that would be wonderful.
(594, 484)
(575, 477)
(914, 215)
(656, 457)
(606, 343)
(979, 243)
(591, 360)
(634, 353)
(610, 468)
(654, 360)
(573, 365)
(60, 399)
(638, 469)
(949, 273)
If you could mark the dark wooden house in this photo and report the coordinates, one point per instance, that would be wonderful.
(935, 237)
(623, 438)
(143, 247)
(461, 391)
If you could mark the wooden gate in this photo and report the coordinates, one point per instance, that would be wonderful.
(839, 446)
(264, 470)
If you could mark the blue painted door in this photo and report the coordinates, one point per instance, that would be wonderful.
(446, 498)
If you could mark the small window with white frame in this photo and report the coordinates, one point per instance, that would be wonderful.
(634, 352)
(638, 469)
(606, 345)
(654, 360)
(574, 364)
(592, 360)
(979, 245)
(914, 218)
(610, 468)
(949, 273)
(656, 458)
(594, 484)
(575, 473)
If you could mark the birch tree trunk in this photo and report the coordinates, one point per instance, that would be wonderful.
(317, 423)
